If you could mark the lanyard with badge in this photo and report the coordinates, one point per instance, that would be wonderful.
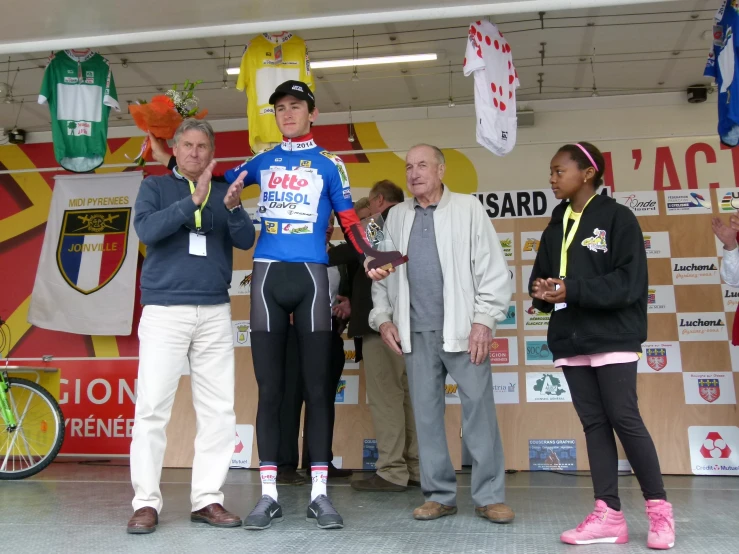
(197, 239)
(567, 239)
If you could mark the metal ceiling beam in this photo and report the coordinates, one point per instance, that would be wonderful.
(320, 22)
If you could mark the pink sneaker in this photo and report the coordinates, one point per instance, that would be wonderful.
(661, 524)
(602, 526)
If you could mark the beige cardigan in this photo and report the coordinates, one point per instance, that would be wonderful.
(477, 286)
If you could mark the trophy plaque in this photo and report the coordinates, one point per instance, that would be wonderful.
(376, 244)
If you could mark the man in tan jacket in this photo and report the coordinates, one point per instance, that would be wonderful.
(440, 311)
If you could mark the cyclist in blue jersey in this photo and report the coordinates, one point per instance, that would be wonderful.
(301, 183)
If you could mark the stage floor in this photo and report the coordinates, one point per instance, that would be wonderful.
(76, 508)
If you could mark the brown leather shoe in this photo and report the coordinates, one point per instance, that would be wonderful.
(377, 484)
(433, 510)
(143, 521)
(497, 513)
(217, 516)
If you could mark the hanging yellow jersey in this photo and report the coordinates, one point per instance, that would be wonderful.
(269, 60)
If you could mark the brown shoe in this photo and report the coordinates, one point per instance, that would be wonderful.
(143, 521)
(497, 513)
(433, 510)
(216, 515)
(377, 484)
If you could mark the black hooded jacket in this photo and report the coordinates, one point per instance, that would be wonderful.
(606, 282)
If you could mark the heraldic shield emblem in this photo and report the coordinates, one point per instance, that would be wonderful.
(657, 358)
(709, 389)
(92, 247)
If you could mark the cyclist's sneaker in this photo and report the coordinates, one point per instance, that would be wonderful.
(324, 513)
(264, 513)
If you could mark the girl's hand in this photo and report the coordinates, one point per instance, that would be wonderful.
(539, 287)
(557, 292)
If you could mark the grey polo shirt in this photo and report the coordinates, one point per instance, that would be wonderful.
(425, 280)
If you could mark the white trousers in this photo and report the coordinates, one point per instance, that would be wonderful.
(168, 337)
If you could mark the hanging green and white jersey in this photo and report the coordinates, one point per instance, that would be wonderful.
(79, 88)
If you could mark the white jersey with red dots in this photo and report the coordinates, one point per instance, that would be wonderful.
(489, 57)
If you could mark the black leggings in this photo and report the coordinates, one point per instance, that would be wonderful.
(292, 401)
(279, 289)
(605, 400)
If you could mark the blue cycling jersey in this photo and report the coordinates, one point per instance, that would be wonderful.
(300, 183)
(721, 65)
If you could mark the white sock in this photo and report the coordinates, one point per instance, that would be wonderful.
(268, 473)
(319, 475)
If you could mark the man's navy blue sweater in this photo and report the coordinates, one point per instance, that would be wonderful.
(165, 217)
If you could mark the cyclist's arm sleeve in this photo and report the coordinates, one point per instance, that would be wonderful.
(341, 201)
(250, 166)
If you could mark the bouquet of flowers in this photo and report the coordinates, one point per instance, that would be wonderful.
(163, 115)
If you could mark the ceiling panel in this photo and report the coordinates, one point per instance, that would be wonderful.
(632, 49)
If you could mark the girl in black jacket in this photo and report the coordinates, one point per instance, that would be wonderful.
(591, 273)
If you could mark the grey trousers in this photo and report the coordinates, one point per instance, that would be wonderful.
(427, 366)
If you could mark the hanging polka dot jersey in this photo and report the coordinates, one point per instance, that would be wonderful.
(488, 56)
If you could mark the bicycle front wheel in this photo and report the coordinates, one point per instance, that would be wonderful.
(35, 441)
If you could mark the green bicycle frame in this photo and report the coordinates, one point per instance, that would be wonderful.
(5, 410)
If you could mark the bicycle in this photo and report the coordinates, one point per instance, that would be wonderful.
(32, 429)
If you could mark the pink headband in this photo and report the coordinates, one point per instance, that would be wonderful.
(581, 147)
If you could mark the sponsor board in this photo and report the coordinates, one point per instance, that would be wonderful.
(240, 283)
(510, 322)
(369, 454)
(533, 319)
(657, 244)
(728, 200)
(641, 203)
(504, 351)
(552, 455)
(505, 388)
(530, 241)
(730, 296)
(536, 351)
(451, 391)
(241, 333)
(714, 450)
(695, 271)
(513, 204)
(506, 243)
(661, 299)
(701, 326)
(547, 386)
(709, 388)
(243, 443)
(688, 202)
(660, 357)
(347, 391)
(350, 355)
